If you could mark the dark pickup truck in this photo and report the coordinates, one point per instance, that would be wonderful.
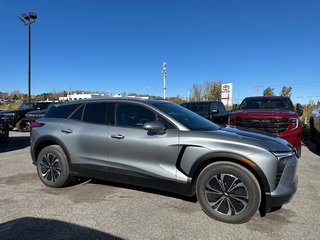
(17, 117)
(211, 110)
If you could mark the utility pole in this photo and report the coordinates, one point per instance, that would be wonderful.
(27, 20)
(257, 90)
(164, 75)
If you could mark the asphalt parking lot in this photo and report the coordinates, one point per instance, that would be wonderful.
(99, 210)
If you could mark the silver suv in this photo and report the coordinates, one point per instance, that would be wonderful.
(161, 145)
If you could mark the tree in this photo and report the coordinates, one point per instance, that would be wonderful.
(268, 92)
(196, 92)
(177, 99)
(212, 90)
(286, 91)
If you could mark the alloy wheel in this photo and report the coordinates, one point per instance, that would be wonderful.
(226, 194)
(50, 167)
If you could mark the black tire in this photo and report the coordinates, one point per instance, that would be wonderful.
(53, 167)
(23, 125)
(5, 136)
(217, 187)
(312, 131)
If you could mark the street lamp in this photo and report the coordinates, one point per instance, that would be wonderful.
(28, 19)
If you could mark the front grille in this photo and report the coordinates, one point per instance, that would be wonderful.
(269, 125)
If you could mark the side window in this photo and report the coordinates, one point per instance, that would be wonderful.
(130, 115)
(95, 113)
(61, 111)
(77, 115)
(166, 123)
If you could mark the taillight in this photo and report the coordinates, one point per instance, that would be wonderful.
(35, 125)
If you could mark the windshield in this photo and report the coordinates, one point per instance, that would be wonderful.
(267, 103)
(196, 106)
(27, 106)
(186, 117)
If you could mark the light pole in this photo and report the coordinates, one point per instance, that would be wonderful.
(164, 75)
(28, 19)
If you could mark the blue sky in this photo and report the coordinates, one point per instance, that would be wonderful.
(120, 45)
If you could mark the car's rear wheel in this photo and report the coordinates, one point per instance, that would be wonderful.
(23, 125)
(228, 192)
(53, 167)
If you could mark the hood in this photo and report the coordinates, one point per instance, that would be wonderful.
(37, 112)
(264, 113)
(235, 140)
(17, 111)
(266, 141)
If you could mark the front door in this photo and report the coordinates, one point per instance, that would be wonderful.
(148, 159)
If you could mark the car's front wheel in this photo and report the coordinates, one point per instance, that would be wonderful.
(53, 167)
(228, 192)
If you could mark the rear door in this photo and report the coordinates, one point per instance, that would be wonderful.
(85, 134)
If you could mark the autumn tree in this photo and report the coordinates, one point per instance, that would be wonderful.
(212, 90)
(209, 90)
(177, 99)
(286, 91)
(268, 92)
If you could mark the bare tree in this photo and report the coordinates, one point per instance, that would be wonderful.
(196, 92)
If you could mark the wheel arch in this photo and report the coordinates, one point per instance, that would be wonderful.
(47, 141)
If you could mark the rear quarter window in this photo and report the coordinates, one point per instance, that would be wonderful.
(61, 111)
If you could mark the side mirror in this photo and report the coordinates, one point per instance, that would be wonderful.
(234, 107)
(155, 127)
(299, 109)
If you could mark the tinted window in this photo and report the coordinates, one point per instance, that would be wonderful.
(111, 114)
(166, 123)
(267, 103)
(27, 106)
(78, 114)
(198, 107)
(61, 111)
(42, 105)
(189, 119)
(217, 106)
(95, 113)
(130, 115)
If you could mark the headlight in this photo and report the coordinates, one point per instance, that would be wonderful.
(293, 123)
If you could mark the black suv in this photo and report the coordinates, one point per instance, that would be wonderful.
(16, 118)
(4, 130)
(211, 110)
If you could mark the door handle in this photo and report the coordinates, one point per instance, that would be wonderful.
(66, 130)
(117, 136)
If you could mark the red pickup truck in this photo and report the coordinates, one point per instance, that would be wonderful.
(274, 115)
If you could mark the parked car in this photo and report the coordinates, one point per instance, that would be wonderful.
(34, 115)
(211, 110)
(16, 117)
(161, 145)
(4, 130)
(274, 115)
(315, 125)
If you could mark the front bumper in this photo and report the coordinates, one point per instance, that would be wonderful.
(286, 187)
